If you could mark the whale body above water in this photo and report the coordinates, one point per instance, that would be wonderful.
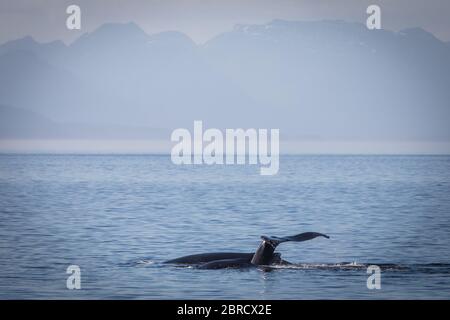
(265, 255)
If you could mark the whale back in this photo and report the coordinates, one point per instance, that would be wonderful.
(208, 257)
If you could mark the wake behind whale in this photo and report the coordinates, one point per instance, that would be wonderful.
(423, 268)
(267, 259)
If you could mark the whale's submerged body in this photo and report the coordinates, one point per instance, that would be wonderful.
(264, 255)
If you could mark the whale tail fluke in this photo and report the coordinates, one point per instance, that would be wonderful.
(264, 255)
(275, 241)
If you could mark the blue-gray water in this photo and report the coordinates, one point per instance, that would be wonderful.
(119, 217)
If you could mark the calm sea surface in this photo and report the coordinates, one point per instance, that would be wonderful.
(119, 217)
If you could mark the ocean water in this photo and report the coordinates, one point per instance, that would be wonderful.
(118, 217)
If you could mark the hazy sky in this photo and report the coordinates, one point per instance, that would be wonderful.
(202, 19)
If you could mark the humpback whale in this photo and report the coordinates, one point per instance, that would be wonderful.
(264, 255)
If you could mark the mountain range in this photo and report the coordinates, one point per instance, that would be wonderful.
(321, 80)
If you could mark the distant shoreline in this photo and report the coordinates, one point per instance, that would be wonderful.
(163, 147)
